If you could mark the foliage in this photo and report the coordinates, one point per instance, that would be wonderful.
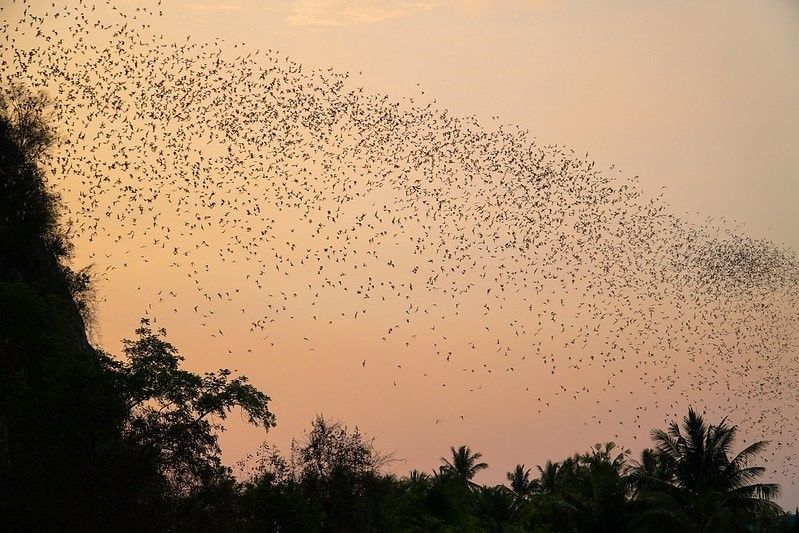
(28, 209)
(172, 410)
(520, 482)
(706, 486)
(464, 465)
(28, 115)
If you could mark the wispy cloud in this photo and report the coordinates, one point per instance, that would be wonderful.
(352, 12)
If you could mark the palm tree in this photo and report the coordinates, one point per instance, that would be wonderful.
(416, 477)
(548, 478)
(464, 465)
(520, 481)
(496, 507)
(555, 477)
(596, 491)
(653, 468)
(711, 489)
(416, 480)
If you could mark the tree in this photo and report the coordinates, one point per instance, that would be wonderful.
(554, 477)
(330, 447)
(520, 482)
(28, 115)
(28, 209)
(548, 475)
(652, 470)
(496, 507)
(176, 414)
(710, 488)
(416, 477)
(598, 494)
(464, 465)
(333, 480)
(442, 502)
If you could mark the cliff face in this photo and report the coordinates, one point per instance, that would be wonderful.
(31, 246)
(44, 350)
(41, 271)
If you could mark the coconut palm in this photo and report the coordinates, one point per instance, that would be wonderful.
(520, 481)
(653, 468)
(548, 477)
(711, 488)
(464, 465)
(496, 507)
(416, 477)
(596, 491)
(557, 476)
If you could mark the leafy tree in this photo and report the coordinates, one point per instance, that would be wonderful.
(333, 481)
(28, 209)
(176, 414)
(30, 121)
(330, 446)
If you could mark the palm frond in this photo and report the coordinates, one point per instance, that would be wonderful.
(749, 452)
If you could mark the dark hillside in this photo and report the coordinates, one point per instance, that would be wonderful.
(89, 442)
(54, 390)
(32, 246)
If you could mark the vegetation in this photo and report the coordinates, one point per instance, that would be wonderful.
(93, 442)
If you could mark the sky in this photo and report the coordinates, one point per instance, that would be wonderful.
(696, 99)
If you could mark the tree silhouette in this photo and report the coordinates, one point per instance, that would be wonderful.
(176, 413)
(710, 489)
(520, 482)
(464, 465)
(652, 470)
(28, 209)
(597, 495)
(548, 477)
(28, 114)
(497, 507)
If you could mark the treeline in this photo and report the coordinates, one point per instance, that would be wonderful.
(92, 442)
(691, 481)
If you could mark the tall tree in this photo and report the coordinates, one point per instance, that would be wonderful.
(177, 414)
(597, 496)
(711, 488)
(652, 470)
(520, 482)
(465, 464)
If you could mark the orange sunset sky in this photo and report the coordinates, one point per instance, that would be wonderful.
(693, 101)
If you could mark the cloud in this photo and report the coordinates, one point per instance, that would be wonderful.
(352, 12)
